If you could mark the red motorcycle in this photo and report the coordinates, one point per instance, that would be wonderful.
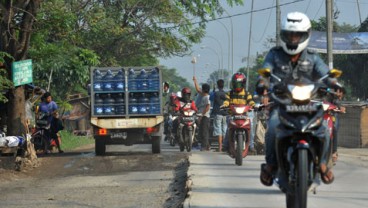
(239, 132)
(186, 129)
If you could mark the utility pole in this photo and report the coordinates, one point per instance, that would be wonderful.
(329, 33)
(278, 22)
(360, 17)
(250, 36)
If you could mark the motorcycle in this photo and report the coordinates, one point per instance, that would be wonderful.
(187, 128)
(301, 142)
(239, 132)
(170, 137)
(40, 137)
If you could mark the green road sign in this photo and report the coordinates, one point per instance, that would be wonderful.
(22, 72)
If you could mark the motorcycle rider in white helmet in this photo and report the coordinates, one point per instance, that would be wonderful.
(291, 59)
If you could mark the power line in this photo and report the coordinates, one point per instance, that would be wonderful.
(264, 31)
(307, 6)
(318, 10)
(229, 16)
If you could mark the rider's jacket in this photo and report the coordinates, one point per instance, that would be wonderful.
(308, 65)
(182, 105)
(242, 97)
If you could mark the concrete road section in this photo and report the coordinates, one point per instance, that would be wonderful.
(218, 182)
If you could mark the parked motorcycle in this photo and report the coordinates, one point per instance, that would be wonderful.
(301, 142)
(187, 128)
(40, 138)
(239, 132)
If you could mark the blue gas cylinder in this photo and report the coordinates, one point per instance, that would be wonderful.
(98, 105)
(154, 79)
(154, 104)
(119, 80)
(108, 81)
(109, 107)
(133, 102)
(143, 104)
(132, 82)
(97, 80)
(142, 80)
(119, 104)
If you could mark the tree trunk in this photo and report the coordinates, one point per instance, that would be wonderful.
(15, 35)
(16, 112)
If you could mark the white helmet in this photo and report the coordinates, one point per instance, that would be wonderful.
(178, 94)
(298, 25)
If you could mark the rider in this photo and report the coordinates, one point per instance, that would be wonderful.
(49, 107)
(291, 59)
(237, 95)
(183, 103)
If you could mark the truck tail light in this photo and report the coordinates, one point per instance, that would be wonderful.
(151, 130)
(102, 131)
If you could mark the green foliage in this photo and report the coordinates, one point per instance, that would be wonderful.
(71, 35)
(175, 81)
(5, 82)
(71, 142)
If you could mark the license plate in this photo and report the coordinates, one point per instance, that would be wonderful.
(186, 119)
(239, 117)
(301, 108)
(119, 135)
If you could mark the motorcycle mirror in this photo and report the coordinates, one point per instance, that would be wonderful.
(264, 72)
(334, 73)
(166, 87)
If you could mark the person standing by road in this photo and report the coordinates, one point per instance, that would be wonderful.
(219, 122)
(203, 104)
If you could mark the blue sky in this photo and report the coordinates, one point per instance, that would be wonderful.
(214, 48)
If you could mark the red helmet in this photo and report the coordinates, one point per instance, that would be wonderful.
(185, 93)
(238, 81)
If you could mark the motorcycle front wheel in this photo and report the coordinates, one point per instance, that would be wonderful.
(299, 199)
(188, 140)
(239, 146)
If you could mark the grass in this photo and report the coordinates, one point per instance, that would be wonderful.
(69, 141)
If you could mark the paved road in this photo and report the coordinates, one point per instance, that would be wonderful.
(218, 182)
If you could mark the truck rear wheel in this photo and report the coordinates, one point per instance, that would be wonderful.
(100, 147)
(156, 144)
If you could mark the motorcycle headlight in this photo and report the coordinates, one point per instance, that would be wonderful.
(188, 113)
(239, 110)
(301, 92)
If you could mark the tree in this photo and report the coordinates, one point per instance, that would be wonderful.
(15, 32)
(69, 35)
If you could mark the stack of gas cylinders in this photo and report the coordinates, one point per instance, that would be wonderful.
(110, 87)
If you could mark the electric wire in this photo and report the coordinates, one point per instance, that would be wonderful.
(268, 21)
(318, 10)
(229, 16)
(307, 7)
